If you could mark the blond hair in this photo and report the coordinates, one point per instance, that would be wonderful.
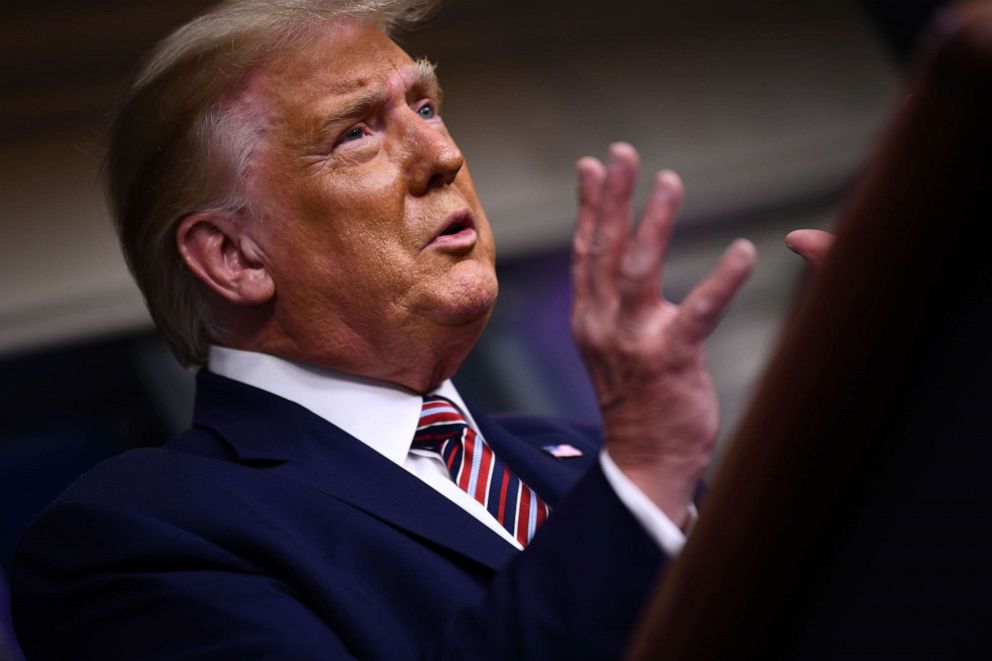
(178, 146)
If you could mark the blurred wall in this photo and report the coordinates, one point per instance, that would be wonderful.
(766, 108)
(758, 105)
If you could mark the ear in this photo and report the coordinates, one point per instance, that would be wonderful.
(221, 256)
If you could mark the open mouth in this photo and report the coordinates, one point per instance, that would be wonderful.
(458, 221)
(458, 231)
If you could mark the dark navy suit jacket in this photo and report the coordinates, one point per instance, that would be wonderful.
(266, 532)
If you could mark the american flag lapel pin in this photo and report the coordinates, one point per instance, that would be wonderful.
(562, 451)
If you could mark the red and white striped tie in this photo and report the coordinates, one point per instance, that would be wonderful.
(477, 470)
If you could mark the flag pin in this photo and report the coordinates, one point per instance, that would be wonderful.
(562, 451)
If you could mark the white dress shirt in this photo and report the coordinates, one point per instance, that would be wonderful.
(385, 416)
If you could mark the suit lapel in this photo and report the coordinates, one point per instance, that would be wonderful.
(283, 438)
(551, 478)
(332, 462)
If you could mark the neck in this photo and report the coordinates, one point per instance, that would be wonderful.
(418, 362)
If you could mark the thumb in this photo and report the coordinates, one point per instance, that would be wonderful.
(811, 245)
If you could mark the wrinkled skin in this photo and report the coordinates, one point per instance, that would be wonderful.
(645, 354)
(356, 176)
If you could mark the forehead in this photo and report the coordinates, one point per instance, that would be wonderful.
(330, 62)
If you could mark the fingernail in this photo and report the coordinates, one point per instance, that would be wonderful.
(744, 250)
(671, 178)
(667, 182)
(662, 187)
(613, 155)
(617, 150)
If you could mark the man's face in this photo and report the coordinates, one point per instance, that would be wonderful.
(373, 232)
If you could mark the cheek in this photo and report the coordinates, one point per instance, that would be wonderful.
(363, 205)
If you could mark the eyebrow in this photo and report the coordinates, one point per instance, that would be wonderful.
(421, 78)
(425, 79)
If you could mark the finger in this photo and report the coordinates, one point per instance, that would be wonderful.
(701, 310)
(811, 245)
(612, 223)
(591, 175)
(641, 266)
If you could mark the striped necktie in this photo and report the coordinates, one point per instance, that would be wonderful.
(477, 470)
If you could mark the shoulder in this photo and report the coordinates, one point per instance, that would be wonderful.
(148, 473)
(187, 485)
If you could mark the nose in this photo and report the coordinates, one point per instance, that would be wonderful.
(435, 159)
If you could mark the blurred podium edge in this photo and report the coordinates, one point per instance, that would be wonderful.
(857, 379)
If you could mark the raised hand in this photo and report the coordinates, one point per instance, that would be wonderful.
(643, 353)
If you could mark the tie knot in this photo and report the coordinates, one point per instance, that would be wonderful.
(439, 411)
(440, 421)
(476, 469)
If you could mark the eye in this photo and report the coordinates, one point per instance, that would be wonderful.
(427, 111)
(352, 134)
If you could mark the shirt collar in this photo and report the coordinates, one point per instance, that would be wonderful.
(382, 415)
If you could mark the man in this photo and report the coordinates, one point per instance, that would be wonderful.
(299, 219)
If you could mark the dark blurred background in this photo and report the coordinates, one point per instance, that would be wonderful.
(766, 108)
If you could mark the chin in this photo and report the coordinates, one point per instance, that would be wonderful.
(468, 298)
